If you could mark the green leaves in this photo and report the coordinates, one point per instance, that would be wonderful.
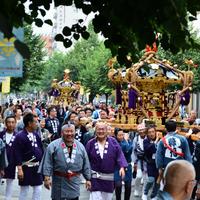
(180, 58)
(48, 21)
(59, 37)
(76, 36)
(87, 9)
(87, 62)
(85, 35)
(33, 64)
(67, 42)
(129, 24)
(66, 31)
(75, 31)
(78, 3)
(38, 22)
(62, 2)
(43, 12)
(192, 18)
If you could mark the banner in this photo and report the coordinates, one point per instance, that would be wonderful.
(6, 85)
(11, 61)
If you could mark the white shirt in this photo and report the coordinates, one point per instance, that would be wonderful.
(30, 135)
(101, 149)
(8, 137)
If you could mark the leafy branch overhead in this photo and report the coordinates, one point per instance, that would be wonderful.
(127, 25)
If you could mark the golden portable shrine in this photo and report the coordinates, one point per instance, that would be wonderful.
(147, 95)
(65, 91)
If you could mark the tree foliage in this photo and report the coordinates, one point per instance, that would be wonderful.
(127, 25)
(87, 63)
(53, 69)
(33, 67)
(180, 59)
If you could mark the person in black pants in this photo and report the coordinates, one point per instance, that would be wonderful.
(127, 149)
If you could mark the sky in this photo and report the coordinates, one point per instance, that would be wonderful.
(49, 15)
(196, 24)
(45, 29)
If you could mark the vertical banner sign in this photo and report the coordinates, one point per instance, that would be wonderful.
(11, 61)
(6, 86)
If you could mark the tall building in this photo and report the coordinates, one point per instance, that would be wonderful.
(65, 16)
(47, 43)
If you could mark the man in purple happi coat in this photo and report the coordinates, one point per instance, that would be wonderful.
(28, 154)
(104, 155)
(8, 137)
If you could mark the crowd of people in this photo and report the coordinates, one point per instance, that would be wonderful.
(60, 146)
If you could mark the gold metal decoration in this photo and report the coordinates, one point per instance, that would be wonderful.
(65, 91)
(146, 94)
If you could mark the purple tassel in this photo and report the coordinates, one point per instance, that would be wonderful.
(54, 93)
(132, 97)
(185, 99)
(118, 94)
(140, 101)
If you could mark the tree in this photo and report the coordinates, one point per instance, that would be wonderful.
(33, 67)
(95, 72)
(53, 69)
(127, 25)
(88, 60)
(106, 87)
(87, 63)
(181, 59)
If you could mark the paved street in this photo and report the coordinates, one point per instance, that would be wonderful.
(46, 193)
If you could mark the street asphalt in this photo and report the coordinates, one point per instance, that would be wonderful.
(46, 193)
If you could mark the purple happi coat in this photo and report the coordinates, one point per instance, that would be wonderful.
(113, 157)
(10, 170)
(25, 149)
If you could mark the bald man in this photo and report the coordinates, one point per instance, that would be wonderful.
(192, 117)
(179, 181)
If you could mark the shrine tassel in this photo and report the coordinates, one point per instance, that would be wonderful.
(56, 93)
(118, 94)
(140, 101)
(132, 96)
(185, 99)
